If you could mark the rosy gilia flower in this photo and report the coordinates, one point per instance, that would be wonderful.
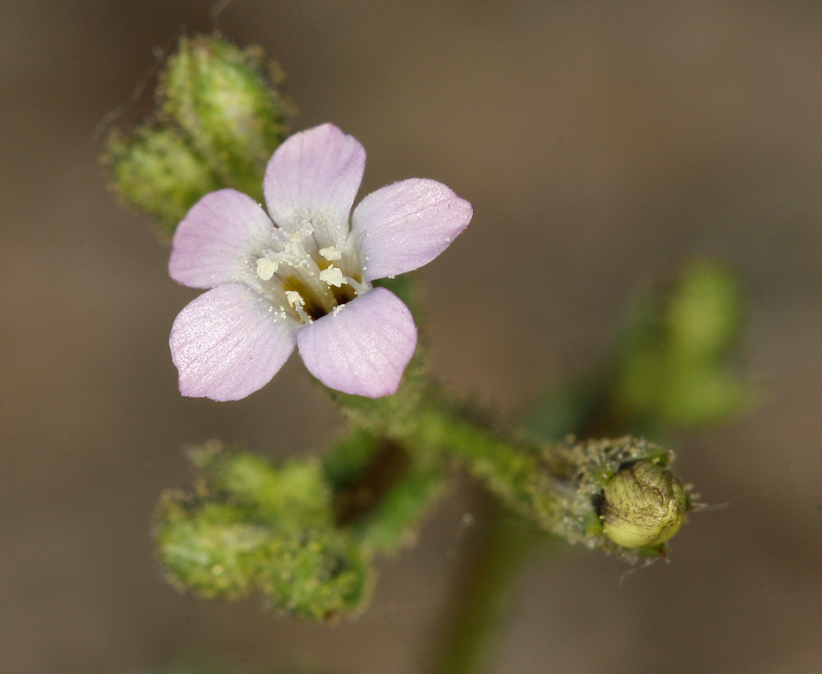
(305, 278)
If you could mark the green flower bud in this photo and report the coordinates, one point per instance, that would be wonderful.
(220, 119)
(222, 98)
(319, 574)
(643, 505)
(248, 526)
(208, 549)
(158, 173)
(677, 365)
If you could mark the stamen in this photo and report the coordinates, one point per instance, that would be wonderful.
(266, 268)
(333, 276)
(293, 254)
(359, 288)
(331, 253)
(294, 298)
(297, 303)
(304, 317)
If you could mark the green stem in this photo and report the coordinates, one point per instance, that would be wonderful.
(382, 490)
(489, 567)
(514, 471)
(557, 486)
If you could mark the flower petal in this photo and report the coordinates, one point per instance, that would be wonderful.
(228, 343)
(212, 243)
(314, 176)
(403, 226)
(364, 348)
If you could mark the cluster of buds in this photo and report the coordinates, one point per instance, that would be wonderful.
(219, 118)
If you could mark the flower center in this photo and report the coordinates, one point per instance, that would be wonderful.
(306, 281)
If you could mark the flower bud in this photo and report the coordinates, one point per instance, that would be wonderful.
(158, 173)
(643, 505)
(221, 97)
(249, 526)
(677, 366)
(219, 119)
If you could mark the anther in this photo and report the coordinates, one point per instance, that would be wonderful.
(331, 253)
(266, 268)
(294, 298)
(333, 276)
(297, 303)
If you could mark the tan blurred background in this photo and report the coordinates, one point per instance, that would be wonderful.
(598, 141)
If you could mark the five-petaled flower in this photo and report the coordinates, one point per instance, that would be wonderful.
(305, 278)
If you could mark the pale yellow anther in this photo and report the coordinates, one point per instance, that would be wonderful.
(294, 298)
(333, 276)
(266, 268)
(331, 253)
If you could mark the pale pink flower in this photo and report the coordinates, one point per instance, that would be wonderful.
(305, 278)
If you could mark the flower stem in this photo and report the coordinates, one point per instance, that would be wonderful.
(557, 485)
(489, 566)
(509, 468)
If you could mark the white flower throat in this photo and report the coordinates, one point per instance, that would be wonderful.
(305, 280)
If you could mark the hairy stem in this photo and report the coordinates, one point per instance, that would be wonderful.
(489, 566)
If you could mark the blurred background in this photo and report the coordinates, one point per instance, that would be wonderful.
(599, 142)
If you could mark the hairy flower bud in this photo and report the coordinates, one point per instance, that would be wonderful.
(220, 117)
(156, 171)
(643, 505)
(221, 96)
(249, 526)
(677, 366)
